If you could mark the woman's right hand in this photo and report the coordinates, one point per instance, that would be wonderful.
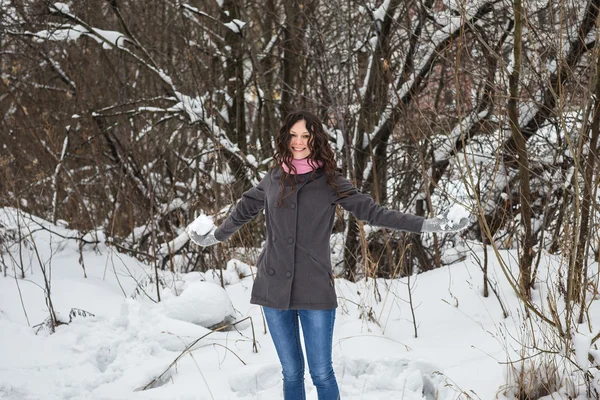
(205, 240)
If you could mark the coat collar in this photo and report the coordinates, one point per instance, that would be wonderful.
(300, 179)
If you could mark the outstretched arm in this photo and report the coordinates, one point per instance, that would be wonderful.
(363, 207)
(251, 203)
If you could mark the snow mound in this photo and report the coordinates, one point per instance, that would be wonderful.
(201, 303)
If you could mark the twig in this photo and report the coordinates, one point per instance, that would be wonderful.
(12, 260)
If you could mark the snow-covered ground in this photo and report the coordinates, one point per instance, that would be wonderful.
(131, 340)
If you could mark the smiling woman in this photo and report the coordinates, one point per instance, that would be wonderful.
(294, 281)
(299, 143)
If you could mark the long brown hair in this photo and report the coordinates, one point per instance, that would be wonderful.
(318, 142)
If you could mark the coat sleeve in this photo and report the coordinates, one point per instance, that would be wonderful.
(363, 207)
(251, 203)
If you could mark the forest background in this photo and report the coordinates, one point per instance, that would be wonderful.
(125, 120)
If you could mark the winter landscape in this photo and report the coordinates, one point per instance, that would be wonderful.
(124, 124)
(115, 341)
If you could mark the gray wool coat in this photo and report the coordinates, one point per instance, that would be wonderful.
(294, 269)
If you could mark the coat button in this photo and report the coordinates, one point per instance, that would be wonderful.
(291, 240)
(274, 238)
(271, 271)
(288, 274)
(293, 206)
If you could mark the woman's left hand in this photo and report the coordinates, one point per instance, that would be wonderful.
(444, 224)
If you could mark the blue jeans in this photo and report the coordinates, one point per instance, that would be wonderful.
(317, 327)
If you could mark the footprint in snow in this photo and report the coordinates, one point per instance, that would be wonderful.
(253, 379)
(386, 376)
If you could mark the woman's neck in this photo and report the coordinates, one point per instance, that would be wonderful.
(303, 165)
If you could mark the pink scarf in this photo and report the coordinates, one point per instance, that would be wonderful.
(303, 165)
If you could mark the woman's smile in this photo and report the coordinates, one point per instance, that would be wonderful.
(299, 137)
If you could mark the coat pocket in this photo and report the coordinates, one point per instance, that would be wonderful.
(321, 263)
(326, 267)
(260, 261)
(259, 286)
(261, 257)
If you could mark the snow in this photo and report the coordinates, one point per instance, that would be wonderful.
(252, 160)
(194, 9)
(128, 338)
(372, 44)
(62, 7)
(445, 149)
(269, 47)
(174, 245)
(165, 77)
(113, 37)
(381, 11)
(466, 7)
(582, 345)
(528, 110)
(64, 32)
(452, 24)
(201, 225)
(193, 107)
(457, 212)
(68, 32)
(339, 140)
(201, 303)
(235, 25)
(225, 176)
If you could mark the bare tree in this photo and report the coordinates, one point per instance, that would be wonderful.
(139, 116)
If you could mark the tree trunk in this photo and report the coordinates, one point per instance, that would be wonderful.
(522, 156)
(578, 292)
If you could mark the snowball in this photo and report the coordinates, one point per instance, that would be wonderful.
(201, 225)
(457, 212)
(201, 303)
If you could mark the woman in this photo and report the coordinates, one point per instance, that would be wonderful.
(294, 281)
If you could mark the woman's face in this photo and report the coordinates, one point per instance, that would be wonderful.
(299, 136)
